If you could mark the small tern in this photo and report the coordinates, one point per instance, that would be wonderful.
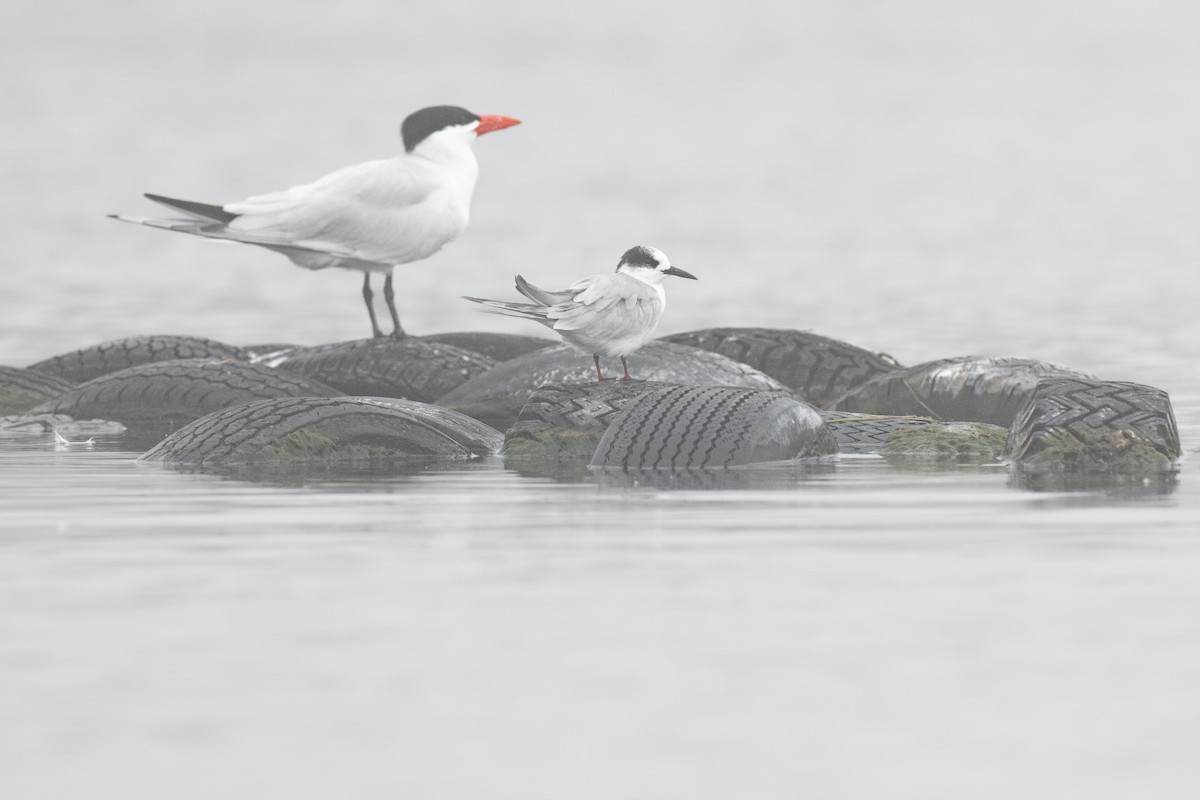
(611, 314)
(369, 217)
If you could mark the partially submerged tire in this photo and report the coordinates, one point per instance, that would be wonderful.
(816, 368)
(497, 396)
(866, 433)
(348, 431)
(109, 357)
(945, 443)
(410, 368)
(72, 431)
(969, 388)
(561, 423)
(152, 400)
(22, 389)
(688, 427)
(1075, 425)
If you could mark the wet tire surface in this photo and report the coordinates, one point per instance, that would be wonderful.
(497, 396)
(818, 369)
(559, 406)
(22, 389)
(300, 429)
(563, 423)
(154, 399)
(1074, 423)
(866, 433)
(689, 427)
(92, 362)
(968, 389)
(414, 369)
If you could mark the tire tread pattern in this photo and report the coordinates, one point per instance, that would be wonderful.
(686, 427)
(866, 433)
(413, 369)
(966, 389)
(817, 368)
(21, 389)
(576, 406)
(1082, 416)
(239, 433)
(164, 395)
(108, 357)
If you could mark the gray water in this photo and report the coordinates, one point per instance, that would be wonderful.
(926, 179)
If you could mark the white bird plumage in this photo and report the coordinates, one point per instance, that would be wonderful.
(368, 217)
(611, 314)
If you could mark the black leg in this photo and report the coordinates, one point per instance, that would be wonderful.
(596, 360)
(390, 297)
(626, 367)
(368, 296)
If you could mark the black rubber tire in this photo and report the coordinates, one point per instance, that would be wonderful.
(497, 396)
(496, 346)
(103, 359)
(1075, 424)
(558, 406)
(968, 389)
(561, 424)
(152, 400)
(687, 427)
(866, 433)
(816, 368)
(99, 431)
(304, 430)
(410, 368)
(22, 389)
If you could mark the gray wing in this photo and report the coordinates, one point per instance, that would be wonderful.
(204, 222)
(612, 305)
(542, 296)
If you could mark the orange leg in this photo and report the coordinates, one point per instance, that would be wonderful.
(599, 374)
(626, 366)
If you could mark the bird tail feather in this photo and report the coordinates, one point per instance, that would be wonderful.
(301, 255)
(523, 310)
(200, 210)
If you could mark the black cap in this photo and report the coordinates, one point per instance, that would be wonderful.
(421, 124)
(640, 257)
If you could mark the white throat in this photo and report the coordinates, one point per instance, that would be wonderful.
(650, 276)
(451, 148)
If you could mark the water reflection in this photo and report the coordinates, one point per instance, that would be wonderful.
(394, 475)
(940, 463)
(766, 476)
(383, 475)
(558, 470)
(1112, 485)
